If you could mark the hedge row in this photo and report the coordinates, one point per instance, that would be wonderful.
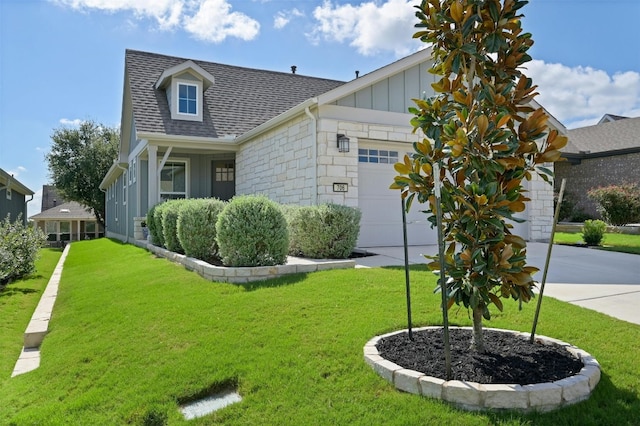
(251, 230)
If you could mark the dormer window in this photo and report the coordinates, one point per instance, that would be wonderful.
(187, 99)
(184, 85)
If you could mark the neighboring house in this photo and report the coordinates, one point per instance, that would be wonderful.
(198, 129)
(607, 153)
(64, 220)
(13, 198)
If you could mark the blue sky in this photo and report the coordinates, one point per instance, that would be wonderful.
(62, 60)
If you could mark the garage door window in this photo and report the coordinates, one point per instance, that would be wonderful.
(380, 156)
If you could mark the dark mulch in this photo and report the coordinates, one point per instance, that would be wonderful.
(508, 359)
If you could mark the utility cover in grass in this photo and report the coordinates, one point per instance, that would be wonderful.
(208, 405)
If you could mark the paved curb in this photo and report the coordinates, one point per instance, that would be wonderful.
(473, 396)
(38, 327)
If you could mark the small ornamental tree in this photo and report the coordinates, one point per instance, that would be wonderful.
(483, 131)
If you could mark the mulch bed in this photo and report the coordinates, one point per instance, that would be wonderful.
(508, 359)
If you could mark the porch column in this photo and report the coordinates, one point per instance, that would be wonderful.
(152, 173)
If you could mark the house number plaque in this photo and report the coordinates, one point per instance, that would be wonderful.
(340, 187)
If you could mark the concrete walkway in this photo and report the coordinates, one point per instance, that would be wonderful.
(604, 281)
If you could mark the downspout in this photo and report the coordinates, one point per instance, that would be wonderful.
(314, 154)
(126, 209)
(26, 219)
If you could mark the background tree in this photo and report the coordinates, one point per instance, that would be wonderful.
(488, 139)
(78, 161)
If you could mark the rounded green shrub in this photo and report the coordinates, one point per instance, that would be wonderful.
(197, 227)
(252, 231)
(618, 204)
(19, 248)
(158, 237)
(593, 232)
(290, 212)
(170, 225)
(325, 231)
(151, 225)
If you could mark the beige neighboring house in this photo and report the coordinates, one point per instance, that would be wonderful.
(604, 154)
(65, 221)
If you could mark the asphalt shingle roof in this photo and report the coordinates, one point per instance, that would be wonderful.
(604, 137)
(70, 211)
(239, 100)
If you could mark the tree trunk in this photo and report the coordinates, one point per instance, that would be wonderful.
(477, 342)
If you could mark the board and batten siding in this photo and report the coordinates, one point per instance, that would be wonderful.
(395, 93)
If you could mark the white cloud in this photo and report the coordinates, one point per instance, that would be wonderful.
(207, 20)
(214, 21)
(71, 123)
(16, 172)
(580, 96)
(283, 18)
(370, 27)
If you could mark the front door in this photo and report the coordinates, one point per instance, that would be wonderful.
(223, 185)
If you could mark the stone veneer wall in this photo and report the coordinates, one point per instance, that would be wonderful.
(280, 165)
(594, 172)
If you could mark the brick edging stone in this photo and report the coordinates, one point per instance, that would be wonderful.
(473, 396)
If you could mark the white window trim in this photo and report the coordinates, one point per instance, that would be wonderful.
(175, 112)
(187, 183)
(124, 190)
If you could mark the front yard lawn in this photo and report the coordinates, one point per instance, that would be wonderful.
(133, 335)
(17, 303)
(624, 243)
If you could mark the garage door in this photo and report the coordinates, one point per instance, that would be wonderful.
(381, 223)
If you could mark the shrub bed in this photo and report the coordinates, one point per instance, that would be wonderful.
(252, 231)
(170, 213)
(618, 204)
(324, 231)
(197, 227)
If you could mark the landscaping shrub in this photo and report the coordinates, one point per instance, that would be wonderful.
(290, 212)
(170, 213)
(593, 232)
(197, 227)
(158, 238)
(618, 204)
(325, 231)
(151, 224)
(19, 246)
(252, 231)
(568, 206)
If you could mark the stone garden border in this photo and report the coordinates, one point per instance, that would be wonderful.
(241, 275)
(475, 396)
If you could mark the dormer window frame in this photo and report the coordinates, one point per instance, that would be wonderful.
(176, 82)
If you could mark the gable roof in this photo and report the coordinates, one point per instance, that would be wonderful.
(614, 137)
(241, 99)
(69, 211)
(8, 180)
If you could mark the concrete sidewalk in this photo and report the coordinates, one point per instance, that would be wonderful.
(604, 281)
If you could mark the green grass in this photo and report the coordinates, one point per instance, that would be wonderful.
(17, 303)
(132, 335)
(623, 243)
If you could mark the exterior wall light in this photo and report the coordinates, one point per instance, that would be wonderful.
(343, 143)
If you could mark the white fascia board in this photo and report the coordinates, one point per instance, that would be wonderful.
(114, 171)
(277, 120)
(166, 75)
(375, 76)
(13, 184)
(195, 142)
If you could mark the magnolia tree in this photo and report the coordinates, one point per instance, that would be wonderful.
(487, 137)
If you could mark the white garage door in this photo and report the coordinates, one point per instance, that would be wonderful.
(381, 223)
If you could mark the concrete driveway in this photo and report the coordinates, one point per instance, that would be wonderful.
(604, 281)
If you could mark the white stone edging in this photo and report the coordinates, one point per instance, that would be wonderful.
(241, 275)
(473, 396)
